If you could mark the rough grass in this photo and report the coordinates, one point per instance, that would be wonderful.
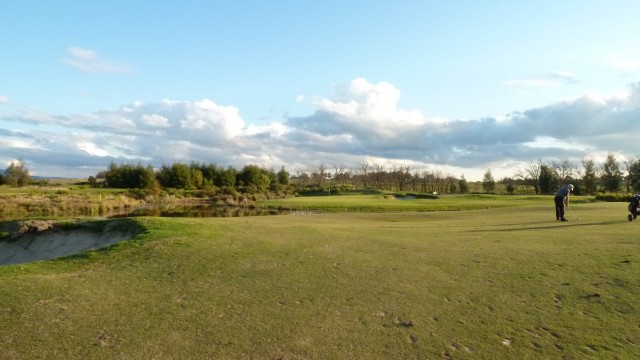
(483, 284)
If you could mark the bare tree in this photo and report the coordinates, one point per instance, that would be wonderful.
(402, 176)
(564, 169)
(338, 175)
(530, 175)
(320, 174)
(425, 180)
(440, 181)
(363, 168)
(378, 175)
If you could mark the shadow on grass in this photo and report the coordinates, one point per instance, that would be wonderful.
(555, 225)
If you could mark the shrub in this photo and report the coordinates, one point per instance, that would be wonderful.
(614, 197)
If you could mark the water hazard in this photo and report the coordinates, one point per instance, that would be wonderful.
(206, 210)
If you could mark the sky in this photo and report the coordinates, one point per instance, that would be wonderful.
(459, 87)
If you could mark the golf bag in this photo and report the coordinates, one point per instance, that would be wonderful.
(634, 207)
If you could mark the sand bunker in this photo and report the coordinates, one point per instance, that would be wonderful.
(29, 241)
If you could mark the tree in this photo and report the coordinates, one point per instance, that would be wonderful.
(463, 186)
(321, 174)
(283, 176)
(633, 174)
(488, 183)
(564, 170)
(548, 180)
(611, 176)
(530, 175)
(363, 169)
(589, 175)
(401, 176)
(378, 175)
(339, 171)
(17, 174)
(254, 179)
(227, 178)
(149, 182)
(176, 176)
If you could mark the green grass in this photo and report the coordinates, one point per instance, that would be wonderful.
(390, 202)
(503, 282)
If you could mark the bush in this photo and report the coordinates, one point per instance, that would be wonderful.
(614, 197)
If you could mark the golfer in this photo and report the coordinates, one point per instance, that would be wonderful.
(562, 200)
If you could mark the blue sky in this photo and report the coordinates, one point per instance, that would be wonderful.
(454, 86)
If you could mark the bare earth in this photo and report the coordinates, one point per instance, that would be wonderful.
(43, 240)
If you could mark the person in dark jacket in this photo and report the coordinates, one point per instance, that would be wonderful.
(562, 200)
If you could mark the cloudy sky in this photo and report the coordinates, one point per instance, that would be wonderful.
(455, 86)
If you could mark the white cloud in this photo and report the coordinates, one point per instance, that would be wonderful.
(274, 129)
(4, 99)
(359, 121)
(19, 144)
(207, 115)
(88, 60)
(553, 79)
(360, 107)
(553, 143)
(92, 149)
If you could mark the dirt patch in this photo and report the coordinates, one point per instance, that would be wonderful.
(28, 241)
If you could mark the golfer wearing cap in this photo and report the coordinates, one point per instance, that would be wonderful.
(562, 200)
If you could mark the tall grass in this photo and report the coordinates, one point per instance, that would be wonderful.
(63, 203)
(505, 282)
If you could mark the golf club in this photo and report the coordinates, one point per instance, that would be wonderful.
(572, 213)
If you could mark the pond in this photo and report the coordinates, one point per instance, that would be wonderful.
(205, 210)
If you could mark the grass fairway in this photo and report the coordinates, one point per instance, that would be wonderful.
(496, 283)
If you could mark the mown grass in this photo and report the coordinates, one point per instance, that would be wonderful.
(505, 282)
(394, 202)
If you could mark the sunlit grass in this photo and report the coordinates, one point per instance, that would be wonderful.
(506, 282)
(394, 202)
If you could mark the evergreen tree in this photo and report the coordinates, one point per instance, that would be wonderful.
(589, 176)
(463, 186)
(149, 182)
(611, 176)
(283, 176)
(548, 180)
(488, 183)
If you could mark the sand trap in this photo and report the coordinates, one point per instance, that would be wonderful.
(43, 240)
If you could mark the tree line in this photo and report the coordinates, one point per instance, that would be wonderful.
(194, 176)
(537, 177)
